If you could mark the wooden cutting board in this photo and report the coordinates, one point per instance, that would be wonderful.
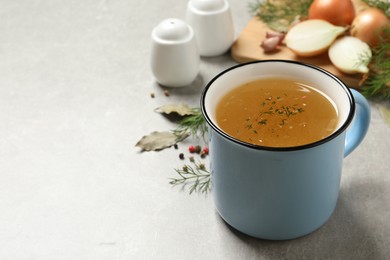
(247, 48)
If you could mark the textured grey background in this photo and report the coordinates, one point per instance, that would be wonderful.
(74, 99)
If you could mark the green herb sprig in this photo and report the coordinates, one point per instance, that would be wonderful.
(194, 124)
(196, 176)
(378, 81)
(279, 15)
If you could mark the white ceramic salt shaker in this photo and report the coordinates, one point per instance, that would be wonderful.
(175, 58)
(213, 25)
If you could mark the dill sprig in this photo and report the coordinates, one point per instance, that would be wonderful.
(194, 124)
(197, 177)
(279, 14)
(378, 81)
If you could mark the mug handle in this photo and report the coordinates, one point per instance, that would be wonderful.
(360, 123)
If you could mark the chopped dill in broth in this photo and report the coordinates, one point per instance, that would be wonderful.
(276, 112)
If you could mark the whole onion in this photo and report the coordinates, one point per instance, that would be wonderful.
(337, 12)
(368, 25)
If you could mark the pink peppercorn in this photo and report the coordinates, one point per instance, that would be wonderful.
(191, 149)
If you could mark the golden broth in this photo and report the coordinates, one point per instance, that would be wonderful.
(276, 112)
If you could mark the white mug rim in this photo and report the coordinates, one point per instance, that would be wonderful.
(336, 133)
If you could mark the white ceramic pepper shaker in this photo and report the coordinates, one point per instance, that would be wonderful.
(213, 25)
(175, 58)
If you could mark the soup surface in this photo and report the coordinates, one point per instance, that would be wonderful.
(276, 112)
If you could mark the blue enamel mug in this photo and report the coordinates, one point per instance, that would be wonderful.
(281, 193)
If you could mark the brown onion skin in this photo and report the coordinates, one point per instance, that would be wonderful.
(368, 24)
(337, 12)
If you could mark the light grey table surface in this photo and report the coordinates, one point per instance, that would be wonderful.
(75, 84)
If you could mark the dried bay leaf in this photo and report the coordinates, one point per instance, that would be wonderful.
(156, 141)
(180, 109)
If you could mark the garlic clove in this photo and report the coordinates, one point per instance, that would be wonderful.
(350, 55)
(312, 37)
(270, 44)
(272, 34)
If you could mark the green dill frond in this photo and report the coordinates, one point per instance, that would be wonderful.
(378, 82)
(194, 124)
(196, 177)
(277, 14)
